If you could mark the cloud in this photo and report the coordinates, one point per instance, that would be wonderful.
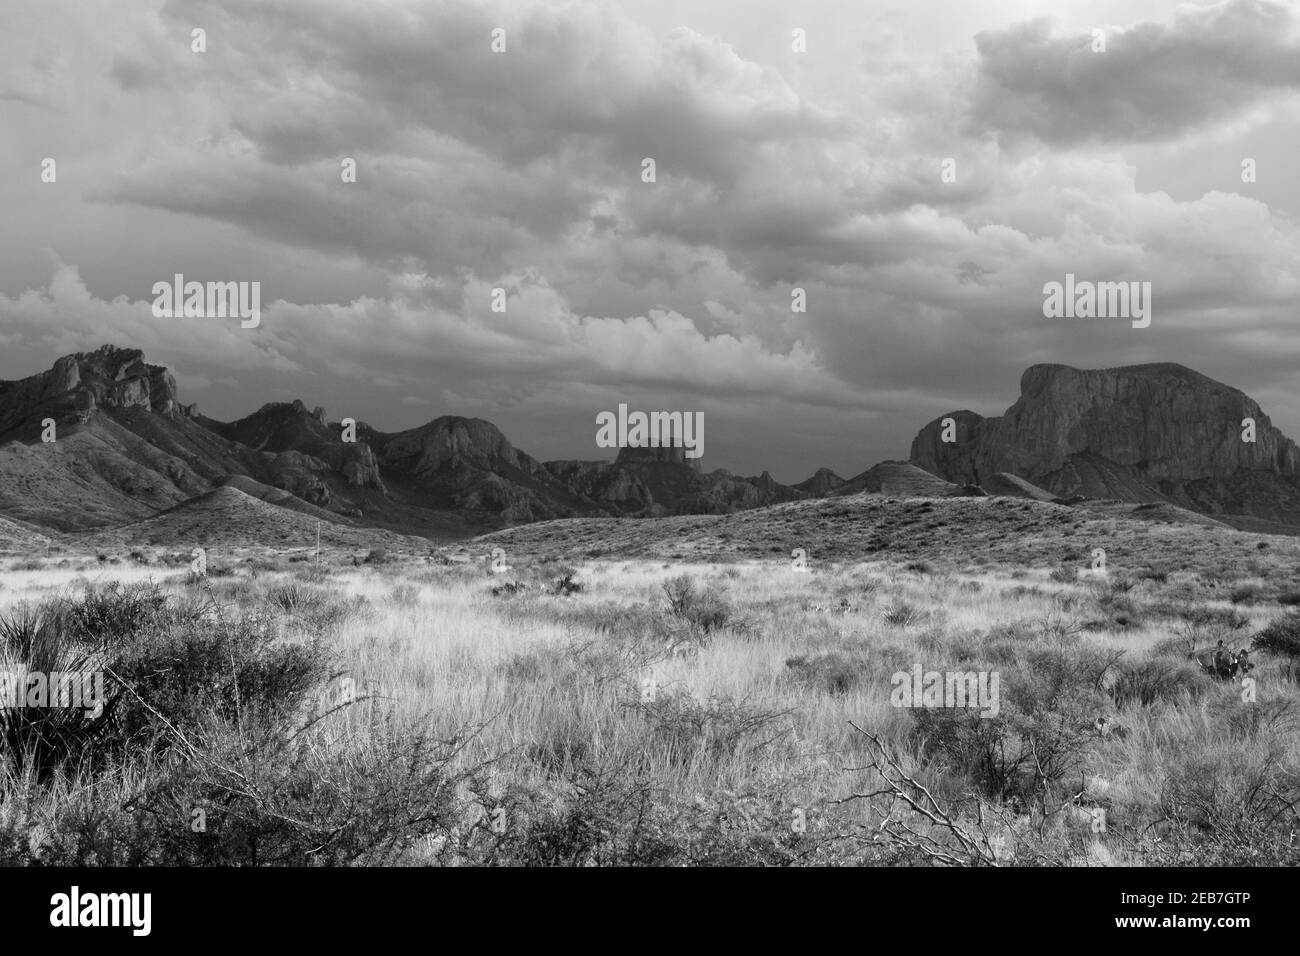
(522, 171)
(1153, 81)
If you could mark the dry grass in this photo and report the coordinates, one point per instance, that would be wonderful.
(606, 726)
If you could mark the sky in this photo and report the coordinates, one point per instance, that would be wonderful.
(1105, 140)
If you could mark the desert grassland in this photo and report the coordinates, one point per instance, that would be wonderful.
(702, 713)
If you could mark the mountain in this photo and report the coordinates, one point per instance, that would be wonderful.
(823, 482)
(21, 537)
(230, 518)
(1143, 433)
(127, 449)
(1007, 485)
(129, 454)
(900, 479)
(653, 482)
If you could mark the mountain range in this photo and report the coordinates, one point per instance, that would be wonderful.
(131, 460)
(1159, 433)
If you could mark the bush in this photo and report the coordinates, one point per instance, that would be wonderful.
(832, 673)
(901, 614)
(115, 612)
(1281, 637)
(41, 739)
(271, 798)
(313, 606)
(1148, 682)
(1238, 799)
(687, 731)
(706, 610)
(405, 595)
(1245, 594)
(196, 672)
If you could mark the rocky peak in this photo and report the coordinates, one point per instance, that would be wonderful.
(822, 482)
(1161, 425)
(109, 377)
(452, 441)
(300, 407)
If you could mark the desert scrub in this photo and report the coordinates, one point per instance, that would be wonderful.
(705, 609)
(833, 673)
(1233, 804)
(901, 614)
(313, 606)
(283, 796)
(209, 712)
(39, 740)
(1281, 637)
(1151, 681)
(689, 731)
(1034, 745)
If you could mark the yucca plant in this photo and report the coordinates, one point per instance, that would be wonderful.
(40, 733)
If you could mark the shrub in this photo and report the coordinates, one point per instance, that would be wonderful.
(705, 609)
(190, 674)
(284, 796)
(112, 613)
(832, 673)
(1238, 799)
(1281, 637)
(687, 731)
(405, 595)
(1245, 594)
(314, 607)
(312, 574)
(1038, 739)
(40, 740)
(1147, 682)
(901, 614)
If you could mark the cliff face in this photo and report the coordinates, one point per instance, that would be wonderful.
(79, 384)
(1140, 433)
(133, 450)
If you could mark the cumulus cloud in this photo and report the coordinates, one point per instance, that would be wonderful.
(1153, 81)
(522, 171)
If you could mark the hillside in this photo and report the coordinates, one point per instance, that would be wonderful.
(227, 517)
(127, 448)
(1142, 433)
(959, 531)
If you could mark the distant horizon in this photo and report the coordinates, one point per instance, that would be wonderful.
(847, 474)
(820, 227)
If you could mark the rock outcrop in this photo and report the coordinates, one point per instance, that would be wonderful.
(822, 482)
(79, 385)
(652, 482)
(1143, 433)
